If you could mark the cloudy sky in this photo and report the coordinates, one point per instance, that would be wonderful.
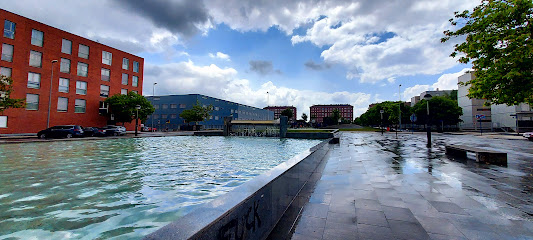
(300, 52)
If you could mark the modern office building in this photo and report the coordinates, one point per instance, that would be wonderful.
(168, 110)
(79, 73)
(319, 112)
(436, 93)
(278, 109)
(516, 118)
(472, 107)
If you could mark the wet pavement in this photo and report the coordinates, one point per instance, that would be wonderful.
(380, 187)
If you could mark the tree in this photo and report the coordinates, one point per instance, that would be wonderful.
(500, 46)
(123, 107)
(372, 117)
(197, 113)
(287, 112)
(6, 88)
(304, 117)
(440, 109)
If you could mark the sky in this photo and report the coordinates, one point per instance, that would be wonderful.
(276, 52)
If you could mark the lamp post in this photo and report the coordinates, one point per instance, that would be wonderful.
(153, 100)
(400, 107)
(428, 128)
(50, 95)
(381, 125)
(137, 118)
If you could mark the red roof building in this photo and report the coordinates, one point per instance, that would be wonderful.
(319, 112)
(278, 109)
(79, 73)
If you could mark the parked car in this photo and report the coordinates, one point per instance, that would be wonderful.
(61, 131)
(528, 135)
(94, 132)
(112, 130)
(148, 129)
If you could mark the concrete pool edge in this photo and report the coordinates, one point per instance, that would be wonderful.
(252, 210)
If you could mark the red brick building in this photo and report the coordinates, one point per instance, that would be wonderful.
(278, 109)
(319, 112)
(85, 73)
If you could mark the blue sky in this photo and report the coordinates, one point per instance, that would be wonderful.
(300, 52)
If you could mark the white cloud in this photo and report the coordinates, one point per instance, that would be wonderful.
(220, 56)
(224, 83)
(444, 82)
(415, 90)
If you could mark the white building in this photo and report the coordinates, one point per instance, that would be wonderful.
(436, 93)
(472, 107)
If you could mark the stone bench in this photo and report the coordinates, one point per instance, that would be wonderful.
(482, 155)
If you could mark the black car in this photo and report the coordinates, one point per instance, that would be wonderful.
(62, 131)
(94, 132)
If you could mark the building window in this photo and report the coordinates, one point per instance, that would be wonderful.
(104, 91)
(34, 80)
(134, 81)
(156, 106)
(124, 91)
(156, 116)
(63, 85)
(9, 29)
(173, 105)
(173, 116)
(135, 66)
(7, 52)
(66, 46)
(124, 79)
(62, 104)
(164, 116)
(81, 87)
(216, 108)
(135, 92)
(106, 74)
(65, 65)
(83, 51)
(165, 106)
(32, 102)
(79, 106)
(125, 63)
(3, 121)
(106, 57)
(36, 59)
(216, 117)
(83, 69)
(5, 71)
(183, 105)
(37, 37)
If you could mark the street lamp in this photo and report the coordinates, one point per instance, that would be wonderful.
(137, 118)
(153, 100)
(381, 125)
(428, 128)
(50, 95)
(400, 107)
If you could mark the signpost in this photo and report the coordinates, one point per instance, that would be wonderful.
(413, 119)
(479, 117)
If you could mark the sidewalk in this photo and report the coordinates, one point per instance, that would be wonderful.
(377, 187)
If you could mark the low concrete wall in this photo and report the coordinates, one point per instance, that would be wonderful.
(310, 135)
(251, 210)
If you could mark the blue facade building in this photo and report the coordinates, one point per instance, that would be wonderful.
(168, 110)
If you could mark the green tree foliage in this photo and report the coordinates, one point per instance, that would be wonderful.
(287, 112)
(123, 107)
(372, 117)
(500, 46)
(440, 109)
(197, 113)
(304, 117)
(6, 89)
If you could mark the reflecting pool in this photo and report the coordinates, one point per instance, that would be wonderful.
(124, 188)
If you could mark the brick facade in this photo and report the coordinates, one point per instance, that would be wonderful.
(31, 121)
(319, 112)
(278, 109)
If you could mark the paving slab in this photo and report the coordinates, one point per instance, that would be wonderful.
(378, 187)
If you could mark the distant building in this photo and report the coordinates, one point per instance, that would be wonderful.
(168, 110)
(319, 112)
(472, 107)
(518, 118)
(436, 93)
(85, 73)
(278, 109)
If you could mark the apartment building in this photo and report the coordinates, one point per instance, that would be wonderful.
(319, 112)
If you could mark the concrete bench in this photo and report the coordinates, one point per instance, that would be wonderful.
(482, 155)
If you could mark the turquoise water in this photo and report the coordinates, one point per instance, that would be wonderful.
(124, 188)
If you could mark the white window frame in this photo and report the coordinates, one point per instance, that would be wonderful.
(66, 46)
(6, 71)
(125, 64)
(134, 81)
(62, 87)
(107, 58)
(9, 30)
(83, 69)
(81, 87)
(36, 59)
(80, 106)
(104, 91)
(105, 77)
(3, 121)
(60, 104)
(37, 37)
(81, 51)
(124, 91)
(33, 103)
(34, 80)
(64, 66)
(135, 66)
(125, 80)
(7, 52)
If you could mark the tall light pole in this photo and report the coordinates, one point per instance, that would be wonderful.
(400, 107)
(381, 125)
(137, 118)
(428, 128)
(50, 95)
(153, 100)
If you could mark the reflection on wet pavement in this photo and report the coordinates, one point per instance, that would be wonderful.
(380, 187)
